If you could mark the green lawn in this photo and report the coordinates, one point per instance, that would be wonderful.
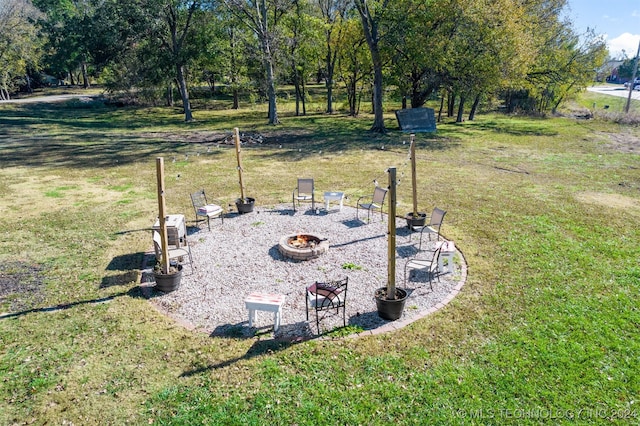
(545, 331)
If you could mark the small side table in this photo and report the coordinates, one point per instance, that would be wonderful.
(333, 196)
(265, 302)
(176, 229)
(447, 250)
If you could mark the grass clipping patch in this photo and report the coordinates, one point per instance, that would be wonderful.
(610, 200)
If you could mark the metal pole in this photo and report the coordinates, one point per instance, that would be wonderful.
(633, 80)
(391, 270)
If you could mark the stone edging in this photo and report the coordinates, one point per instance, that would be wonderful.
(397, 325)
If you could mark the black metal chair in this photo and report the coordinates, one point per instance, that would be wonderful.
(322, 297)
(377, 202)
(205, 209)
(304, 192)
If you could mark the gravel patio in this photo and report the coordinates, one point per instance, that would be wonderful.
(241, 256)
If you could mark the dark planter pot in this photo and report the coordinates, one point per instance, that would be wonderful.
(390, 309)
(168, 282)
(413, 221)
(245, 205)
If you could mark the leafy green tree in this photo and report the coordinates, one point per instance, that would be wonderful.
(489, 48)
(625, 69)
(373, 19)
(117, 29)
(19, 43)
(211, 66)
(423, 31)
(566, 68)
(562, 62)
(168, 41)
(178, 19)
(224, 58)
(354, 67)
(301, 35)
(237, 73)
(333, 14)
(263, 17)
(68, 25)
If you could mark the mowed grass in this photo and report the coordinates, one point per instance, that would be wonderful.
(544, 331)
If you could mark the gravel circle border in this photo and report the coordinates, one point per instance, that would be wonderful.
(244, 249)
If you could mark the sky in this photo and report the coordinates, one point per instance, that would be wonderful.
(618, 21)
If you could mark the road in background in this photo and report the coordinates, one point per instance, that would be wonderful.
(50, 98)
(620, 91)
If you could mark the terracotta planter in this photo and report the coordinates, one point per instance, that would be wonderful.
(245, 205)
(168, 282)
(390, 309)
(413, 221)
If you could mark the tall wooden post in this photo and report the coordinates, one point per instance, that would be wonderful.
(237, 141)
(391, 269)
(162, 215)
(414, 184)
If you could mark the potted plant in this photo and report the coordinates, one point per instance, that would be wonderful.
(415, 219)
(390, 300)
(390, 308)
(243, 204)
(167, 281)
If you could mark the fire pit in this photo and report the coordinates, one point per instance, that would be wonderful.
(303, 246)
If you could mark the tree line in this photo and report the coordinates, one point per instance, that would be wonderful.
(462, 53)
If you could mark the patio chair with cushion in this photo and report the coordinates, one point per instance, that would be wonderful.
(433, 227)
(174, 253)
(304, 192)
(205, 209)
(428, 264)
(376, 202)
(326, 297)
